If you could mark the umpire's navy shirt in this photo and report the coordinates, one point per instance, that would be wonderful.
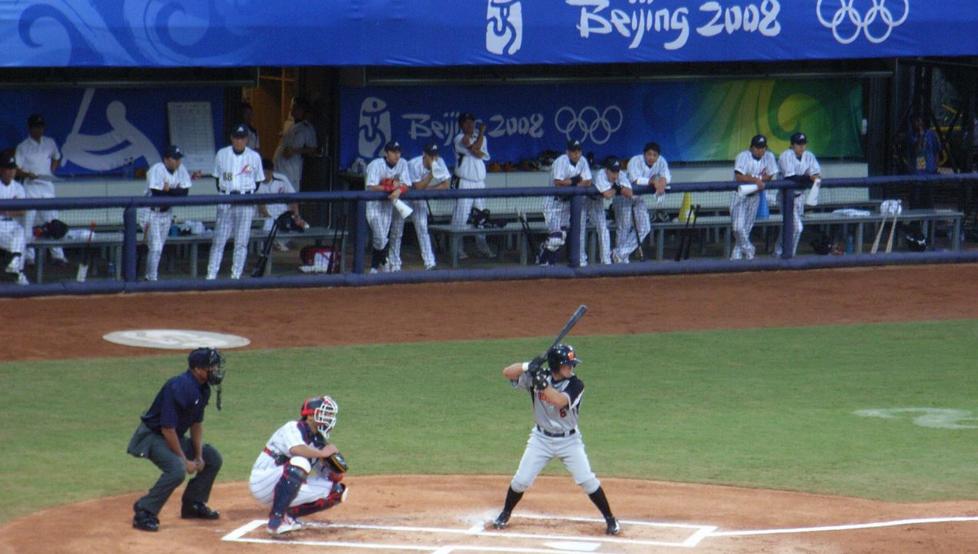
(179, 404)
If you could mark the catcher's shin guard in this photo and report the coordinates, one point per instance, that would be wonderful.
(293, 476)
(336, 496)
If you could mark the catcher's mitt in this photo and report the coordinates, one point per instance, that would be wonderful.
(336, 463)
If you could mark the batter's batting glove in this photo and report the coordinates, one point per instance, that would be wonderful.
(540, 381)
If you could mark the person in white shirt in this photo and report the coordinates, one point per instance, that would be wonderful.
(166, 178)
(388, 174)
(297, 141)
(471, 155)
(568, 170)
(631, 212)
(238, 171)
(799, 165)
(278, 183)
(428, 172)
(753, 168)
(11, 230)
(38, 158)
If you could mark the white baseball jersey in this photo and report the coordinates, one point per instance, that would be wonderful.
(549, 417)
(253, 142)
(641, 173)
(418, 171)
(265, 474)
(35, 157)
(378, 170)
(747, 164)
(603, 184)
(237, 172)
(282, 440)
(792, 165)
(299, 135)
(562, 168)
(11, 191)
(159, 175)
(470, 167)
(279, 184)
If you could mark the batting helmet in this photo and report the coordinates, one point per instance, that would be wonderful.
(210, 359)
(916, 242)
(323, 410)
(560, 355)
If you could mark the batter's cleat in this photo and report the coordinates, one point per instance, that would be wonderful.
(501, 521)
(614, 528)
(145, 520)
(198, 510)
(283, 525)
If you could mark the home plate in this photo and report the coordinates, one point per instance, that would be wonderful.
(175, 339)
(573, 546)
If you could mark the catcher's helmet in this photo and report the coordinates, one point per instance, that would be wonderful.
(916, 242)
(210, 359)
(323, 410)
(562, 354)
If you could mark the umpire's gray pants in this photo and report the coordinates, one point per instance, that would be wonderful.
(148, 444)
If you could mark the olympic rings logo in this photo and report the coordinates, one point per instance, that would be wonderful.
(861, 23)
(589, 123)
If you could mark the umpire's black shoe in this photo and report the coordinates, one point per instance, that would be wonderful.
(614, 528)
(198, 510)
(145, 521)
(501, 521)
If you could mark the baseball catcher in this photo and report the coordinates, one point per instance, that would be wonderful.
(556, 393)
(299, 472)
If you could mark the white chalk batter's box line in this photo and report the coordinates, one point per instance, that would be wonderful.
(573, 542)
(570, 543)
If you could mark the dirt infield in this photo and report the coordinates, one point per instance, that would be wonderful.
(418, 512)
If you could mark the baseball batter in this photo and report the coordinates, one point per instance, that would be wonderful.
(752, 168)
(11, 229)
(166, 178)
(471, 155)
(38, 158)
(428, 172)
(799, 165)
(568, 170)
(556, 394)
(238, 171)
(388, 174)
(298, 473)
(631, 212)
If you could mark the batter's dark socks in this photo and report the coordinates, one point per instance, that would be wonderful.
(601, 501)
(513, 497)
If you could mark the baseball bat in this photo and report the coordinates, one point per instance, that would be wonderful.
(692, 230)
(879, 235)
(638, 236)
(531, 248)
(265, 251)
(82, 273)
(889, 241)
(575, 317)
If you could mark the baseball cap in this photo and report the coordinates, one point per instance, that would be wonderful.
(465, 116)
(8, 160)
(35, 120)
(240, 131)
(612, 164)
(431, 149)
(392, 146)
(573, 144)
(174, 152)
(759, 141)
(799, 138)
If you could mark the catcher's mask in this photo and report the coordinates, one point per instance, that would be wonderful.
(560, 355)
(211, 360)
(323, 410)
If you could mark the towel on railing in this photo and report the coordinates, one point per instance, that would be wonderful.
(851, 212)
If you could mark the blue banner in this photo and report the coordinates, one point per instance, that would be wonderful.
(208, 33)
(694, 121)
(103, 130)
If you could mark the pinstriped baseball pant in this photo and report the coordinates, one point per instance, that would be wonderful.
(743, 212)
(420, 220)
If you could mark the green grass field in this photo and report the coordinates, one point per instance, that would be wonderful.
(768, 408)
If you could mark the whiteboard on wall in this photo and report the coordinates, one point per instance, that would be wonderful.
(191, 126)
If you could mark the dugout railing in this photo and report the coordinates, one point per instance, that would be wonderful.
(357, 235)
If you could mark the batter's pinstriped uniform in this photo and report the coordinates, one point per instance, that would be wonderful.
(803, 167)
(641, 174)
(743, 209)
(237, 173)
(161, 179)
(380, 212)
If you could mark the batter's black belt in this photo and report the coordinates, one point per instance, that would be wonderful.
(280, 459)
(236, 192)
(556, 435)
